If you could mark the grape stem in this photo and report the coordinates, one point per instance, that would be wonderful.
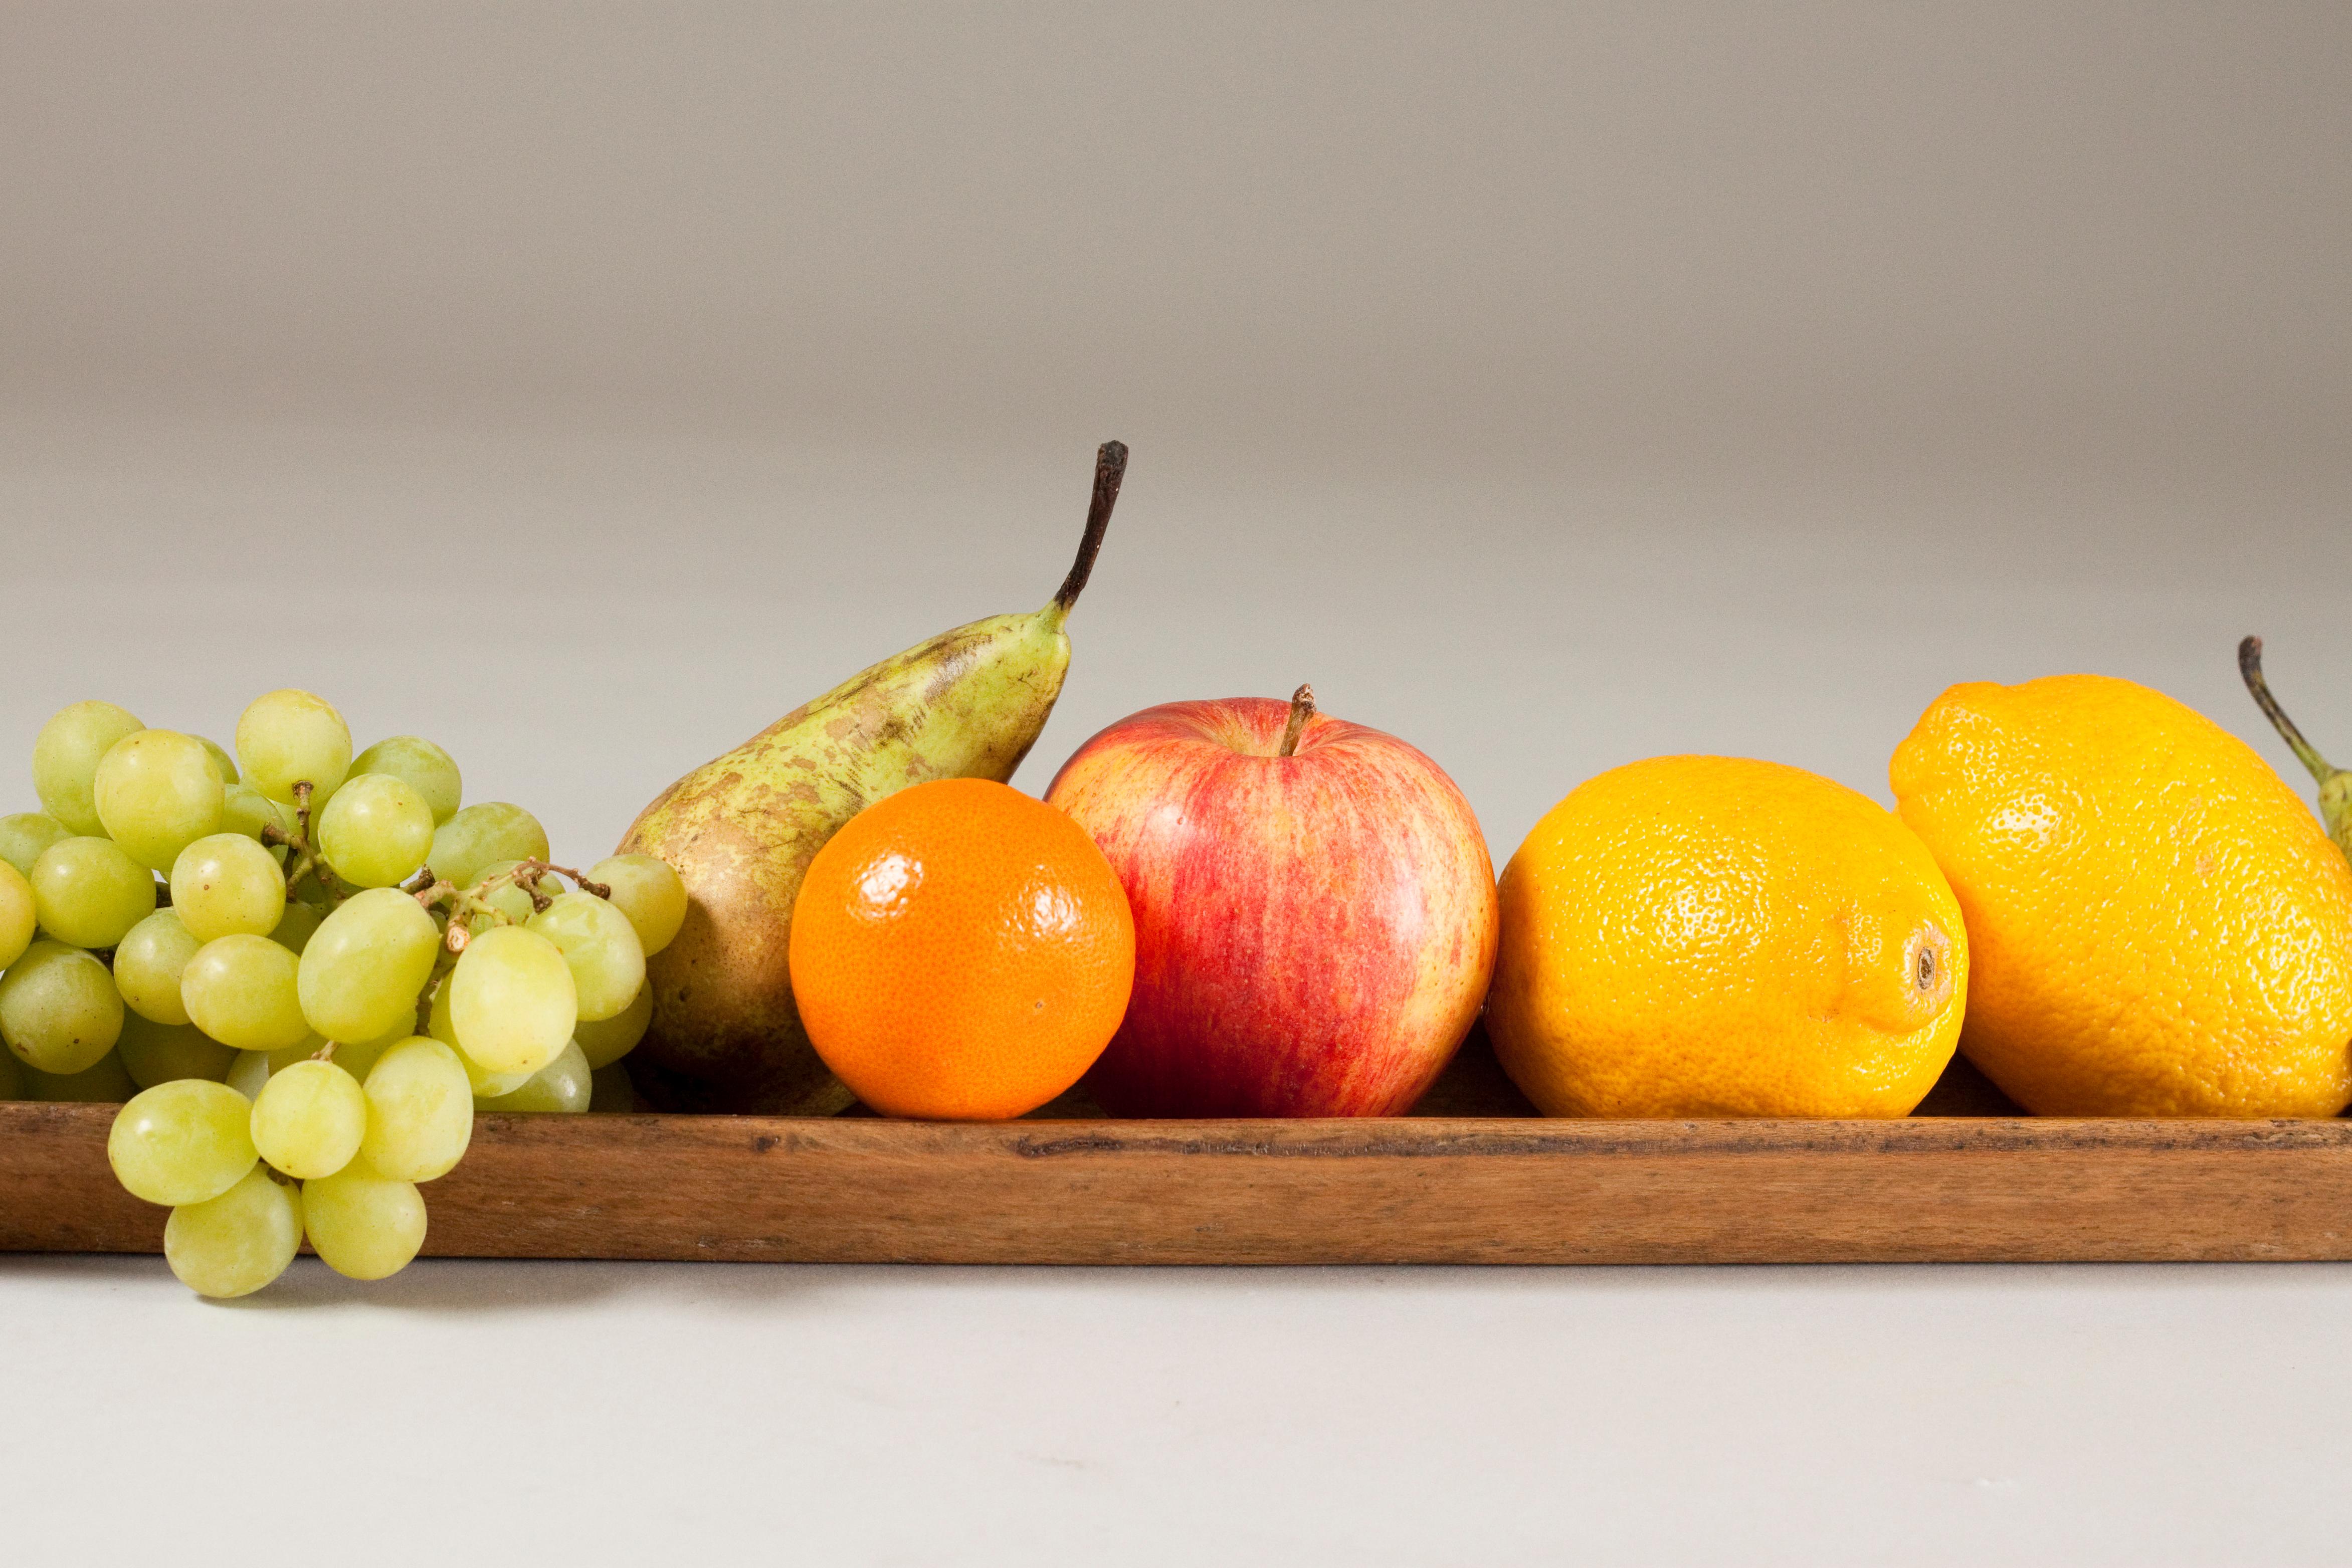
(444, 961)
(601, 889)
(432, 891)
(465, 903)
(303, 858)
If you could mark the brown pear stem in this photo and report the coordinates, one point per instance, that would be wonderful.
(2250, 666)
(1302, 709)
(1110, 468)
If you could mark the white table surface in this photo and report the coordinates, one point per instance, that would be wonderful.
(595, 1413)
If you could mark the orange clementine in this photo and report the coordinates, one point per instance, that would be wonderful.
(961, 951)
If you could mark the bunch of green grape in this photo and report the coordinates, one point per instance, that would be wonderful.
(339, 965)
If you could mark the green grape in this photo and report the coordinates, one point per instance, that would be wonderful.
(18, 916)
(611, 1093)
(149, 962)
(358, 1057)
(511, 1000)
(11, 1079)
(420, 1110)
(244, 810)
(181, 1143)
(156, 1053)
(289, 737)
(599, 945)
(24, 834)
(309, 1118)
(225, 885)
(66, 757)
(247, 1073)
(607, 1040)
(481, 836)
(484, 1083)
(648, 891)
(376, 830)
(59, 1011)
(241, 990)
(297, 926)
(223, 763)
(108, 1083)
(428, 770)
(87, 893)
(367, 964)
(157, 792)
(251, 1069)
(564, 1086)
(363, 1224)
(236, 1243)
(323, 889)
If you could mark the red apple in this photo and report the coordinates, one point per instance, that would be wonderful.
(1314, 910)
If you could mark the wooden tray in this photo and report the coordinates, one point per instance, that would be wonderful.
(1471, 1178)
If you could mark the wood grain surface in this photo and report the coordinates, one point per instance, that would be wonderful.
(1407, 1190)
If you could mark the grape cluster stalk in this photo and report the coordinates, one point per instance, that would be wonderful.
(304, 972)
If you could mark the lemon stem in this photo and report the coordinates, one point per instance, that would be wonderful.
(2250, 666)
(1302, 709)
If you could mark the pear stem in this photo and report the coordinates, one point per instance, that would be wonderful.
(1110, 468)
(2250, 666)
(1302, 709)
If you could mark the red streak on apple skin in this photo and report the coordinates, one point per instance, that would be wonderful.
(1314, 933)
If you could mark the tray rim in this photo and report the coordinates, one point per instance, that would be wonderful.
(1394, 1189)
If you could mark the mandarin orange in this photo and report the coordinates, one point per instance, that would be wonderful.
(961, 951)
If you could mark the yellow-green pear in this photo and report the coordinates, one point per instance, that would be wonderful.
(741, 829)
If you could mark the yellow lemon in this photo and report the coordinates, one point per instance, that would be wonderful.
(1709, 936)
(2160, 928)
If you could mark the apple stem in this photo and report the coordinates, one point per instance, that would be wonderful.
(1110, 468)
(2250, 667)
(1302, 709)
